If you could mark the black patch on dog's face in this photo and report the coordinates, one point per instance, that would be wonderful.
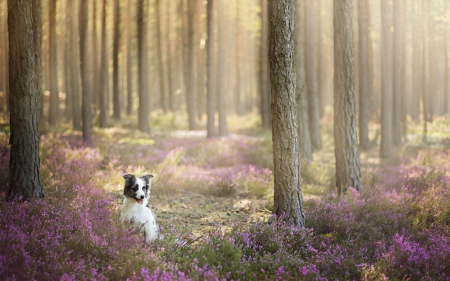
(132, 185)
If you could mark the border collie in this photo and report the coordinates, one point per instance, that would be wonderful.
(135, 208)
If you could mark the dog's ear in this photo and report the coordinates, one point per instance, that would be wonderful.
(129, 178)
(147, 177)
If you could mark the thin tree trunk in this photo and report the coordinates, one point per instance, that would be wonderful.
(321, 75)
(129, 45)
(95, 64)
(5, 73)
(264, 70)
(75, 66)
(364, 99)
(406, 96)
(104, 69)
(191, 96)
(386, 148)
(142, 67)
(417, 60)
(301, 91)
(159, 47)
(397, 79)
(170, 61)
(237, 90)
(24, 21)
(311, 78)
(84, 66)
(425, 70)
(116, 90)
(348, 173)
(221, 78)
(288, 199)
(68, 72)
(54, 111)
(210, 83)
(200, 60)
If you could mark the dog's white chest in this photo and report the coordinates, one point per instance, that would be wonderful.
(140, 216)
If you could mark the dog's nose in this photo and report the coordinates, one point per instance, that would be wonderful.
(142, 196)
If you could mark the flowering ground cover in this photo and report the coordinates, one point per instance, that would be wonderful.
(213, 200)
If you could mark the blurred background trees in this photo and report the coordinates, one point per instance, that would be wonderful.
(179, 57)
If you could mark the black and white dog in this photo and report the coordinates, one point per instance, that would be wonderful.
(135, 208)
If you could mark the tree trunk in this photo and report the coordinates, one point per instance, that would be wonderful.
(364, 99)
(142, 67)
(386, 148)
(288, 199)
(171, 61)
(5, 73)
(67, 64)
(54, 113)
(191, 96)
(397, 78)
(116, 90)
(237, 47)
(210, 83)
(264, 71)
(75, 59)
(86, 114)
(221, 76)
(159, 47)
(104, 70)
(417, 60)
(301, 92)
(24, 21)
(129, 59)
(94, 60)
(311, 78)
(321, 57)
(425, 70)
(406, 96)
(345, 140)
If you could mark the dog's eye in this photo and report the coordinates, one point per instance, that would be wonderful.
(135, 188)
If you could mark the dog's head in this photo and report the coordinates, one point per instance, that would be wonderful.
(137, 188)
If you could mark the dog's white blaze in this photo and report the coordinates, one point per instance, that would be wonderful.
(140, 192)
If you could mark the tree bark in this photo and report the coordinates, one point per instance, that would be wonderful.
(67, 64)
(116, 90)
(301, 90)
(191, 96)
(386, 148)
(94, 60)
(345, 141)
(221, 76)
(311, 78)
(397, 76)
(24, 22)
(237, 90)
(417, 60)
(264, 71)
(210, 83)
(54, 111)
(425, 70)
(104, 70)
(171, 61)
(364, 99)
(159, 47)
(288, 199)
(142, 67)
(86, 114)
(129, 59)
(75, 66)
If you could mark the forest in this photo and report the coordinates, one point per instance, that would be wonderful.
(284, 139)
